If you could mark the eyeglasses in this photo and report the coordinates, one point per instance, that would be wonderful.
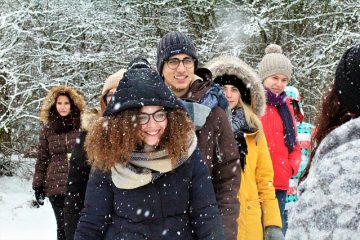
(173, 63)
(158, 116)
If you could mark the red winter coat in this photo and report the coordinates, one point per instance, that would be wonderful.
(285, 164)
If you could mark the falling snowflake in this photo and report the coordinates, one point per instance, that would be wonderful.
(147, 213)
(117, 106)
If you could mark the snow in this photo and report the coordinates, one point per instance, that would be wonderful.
(18, 219)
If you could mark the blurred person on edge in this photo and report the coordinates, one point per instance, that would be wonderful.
(304, 130)
(329, 189)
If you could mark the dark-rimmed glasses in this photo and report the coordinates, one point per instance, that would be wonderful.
(173, 63)
(158, 116)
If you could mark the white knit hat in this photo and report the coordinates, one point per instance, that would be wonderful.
(111, 82)
(274, 62)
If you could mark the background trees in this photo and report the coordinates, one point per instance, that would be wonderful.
(47, 43)
(314, 34)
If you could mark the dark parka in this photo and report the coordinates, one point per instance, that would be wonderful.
(79, 171)
(167, 214)
(219, 149)
(54, 149)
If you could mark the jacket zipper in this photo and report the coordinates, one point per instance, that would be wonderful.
(66, 147)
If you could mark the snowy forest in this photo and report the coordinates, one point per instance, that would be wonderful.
(80, 43)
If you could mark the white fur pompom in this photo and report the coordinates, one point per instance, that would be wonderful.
(273, 48)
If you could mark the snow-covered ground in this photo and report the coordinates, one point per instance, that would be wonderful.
(18, 219)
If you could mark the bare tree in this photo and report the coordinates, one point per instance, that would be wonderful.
(314, 34)
(80, 43)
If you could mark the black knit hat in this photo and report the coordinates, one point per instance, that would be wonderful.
(347, 79)
(238, 83)
(174, 43)
(141, 87)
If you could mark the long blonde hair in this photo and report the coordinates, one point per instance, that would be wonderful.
(251, 118)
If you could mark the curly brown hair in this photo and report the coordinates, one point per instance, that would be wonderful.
(332, 114)
(113, 139)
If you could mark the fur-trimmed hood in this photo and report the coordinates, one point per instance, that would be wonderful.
(51, 97)
(230, 65)
(89, 117)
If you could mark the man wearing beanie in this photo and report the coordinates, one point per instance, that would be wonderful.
(279, 125)
(176, 62)
(328, 205)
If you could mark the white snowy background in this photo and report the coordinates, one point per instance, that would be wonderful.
(19, 220)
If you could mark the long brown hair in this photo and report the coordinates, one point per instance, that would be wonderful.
(60, 124)
(113, 139)
(332, 114)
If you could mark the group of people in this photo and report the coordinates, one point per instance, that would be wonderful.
(190, 152)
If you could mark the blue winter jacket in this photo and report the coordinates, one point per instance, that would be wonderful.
(179, 205)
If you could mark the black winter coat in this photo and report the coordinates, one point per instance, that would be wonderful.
(76, 186)
(179, 205)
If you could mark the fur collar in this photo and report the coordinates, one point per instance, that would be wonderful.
(231, 65)
(89, 117)
(50, 101)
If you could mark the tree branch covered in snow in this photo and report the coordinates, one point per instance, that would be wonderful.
(80, 43)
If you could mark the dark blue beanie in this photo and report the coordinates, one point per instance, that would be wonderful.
(141, 86)
(174, 43)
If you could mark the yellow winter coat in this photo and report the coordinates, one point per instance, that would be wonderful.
(259, 206)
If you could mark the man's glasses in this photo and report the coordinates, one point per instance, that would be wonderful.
(158, 116)
(173, 63)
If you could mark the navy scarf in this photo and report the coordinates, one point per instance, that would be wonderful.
(279, 101)
(240, 128)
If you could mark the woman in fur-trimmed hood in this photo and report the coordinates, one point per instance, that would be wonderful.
(259, 211)
(47, 107)
(148, 179)
(60, 114)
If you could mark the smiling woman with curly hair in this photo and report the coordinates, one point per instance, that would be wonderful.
(148, 179)
(113, 139)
